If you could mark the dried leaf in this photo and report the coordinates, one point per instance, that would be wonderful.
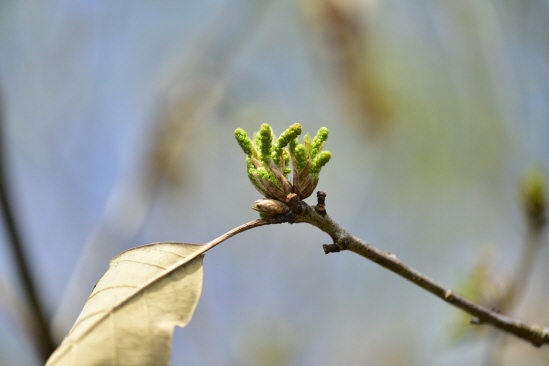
(131, 313)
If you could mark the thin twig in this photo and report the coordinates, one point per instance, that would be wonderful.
(343, 240)
(40, 327)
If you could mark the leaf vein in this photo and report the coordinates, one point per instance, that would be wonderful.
(141, 262)
(110, 288)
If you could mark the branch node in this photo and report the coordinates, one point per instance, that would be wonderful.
(295, 203)
(341, 243)
(449, 295)
(477, 321)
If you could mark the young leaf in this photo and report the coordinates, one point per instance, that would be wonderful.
(131, 313)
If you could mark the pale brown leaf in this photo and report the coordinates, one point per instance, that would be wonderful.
(131, 313)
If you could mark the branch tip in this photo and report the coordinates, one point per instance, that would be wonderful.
(321, 197)
(330, 248)
(320, 208)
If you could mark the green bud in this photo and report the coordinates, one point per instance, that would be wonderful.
(250, 167)
(290, 134)
(320, 160)
(285, 169)
(276, 154)
(301, 157)
(263, 173)
(265, 142)
(250, 164)
(307, 141)
(268, 161)
(293, 145)
(318, 141)
(251, 170)
(244, 141)
(284, 139)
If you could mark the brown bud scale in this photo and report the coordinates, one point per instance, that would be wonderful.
(271, 207)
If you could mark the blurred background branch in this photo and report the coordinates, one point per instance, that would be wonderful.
(37, 325)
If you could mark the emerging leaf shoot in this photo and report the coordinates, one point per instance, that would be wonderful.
(268, 160)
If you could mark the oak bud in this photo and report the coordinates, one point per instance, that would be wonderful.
(271, 207)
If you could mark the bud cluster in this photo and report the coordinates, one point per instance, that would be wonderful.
(268, 160)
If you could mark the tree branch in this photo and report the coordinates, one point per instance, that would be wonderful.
(343, 240)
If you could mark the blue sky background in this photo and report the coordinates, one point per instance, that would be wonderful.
(119, 120)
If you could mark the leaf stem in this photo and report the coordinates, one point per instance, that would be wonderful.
(247, 226)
